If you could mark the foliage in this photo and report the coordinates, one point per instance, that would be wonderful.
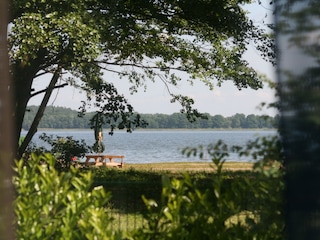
(77, 41)
(263, 150)
(59, 117)
(59, 205)
(126, 174)
(114, 110)
(65, 148)
(188, 212)
(226, 205)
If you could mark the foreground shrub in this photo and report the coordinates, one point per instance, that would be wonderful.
(63, 205)
(189, 212)
(59, 205)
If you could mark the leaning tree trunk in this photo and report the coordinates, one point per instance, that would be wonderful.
(23, 74)
(39, 114)
(298, 24)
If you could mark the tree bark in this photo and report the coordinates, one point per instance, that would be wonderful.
(22, 96)
(6, 132)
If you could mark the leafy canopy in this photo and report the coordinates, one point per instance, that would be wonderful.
(206, 39)
(140, 40)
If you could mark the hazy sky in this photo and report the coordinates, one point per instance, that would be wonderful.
(226, 100)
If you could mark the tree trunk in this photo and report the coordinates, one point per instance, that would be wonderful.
(6, 132)
(22, 86)
(298, 72)
(41, 109)
(24, 73)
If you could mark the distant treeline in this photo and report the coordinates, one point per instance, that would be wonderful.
(60, 117)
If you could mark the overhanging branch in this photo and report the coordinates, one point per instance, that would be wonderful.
(162, 68)
(49, 88)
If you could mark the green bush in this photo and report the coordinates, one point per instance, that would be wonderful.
(65, 148)
(65, 205)
(188, 212)
(59, 205)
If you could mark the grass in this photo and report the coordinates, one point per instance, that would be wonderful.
(127, 222)
(241, 218)
(189, 166)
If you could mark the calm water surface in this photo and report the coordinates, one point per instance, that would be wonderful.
(148, 146)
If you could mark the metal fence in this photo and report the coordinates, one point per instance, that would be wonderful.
(128, 210)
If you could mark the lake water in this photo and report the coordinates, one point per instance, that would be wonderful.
(151, 146)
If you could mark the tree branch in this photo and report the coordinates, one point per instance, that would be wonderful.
(136, 65)
(49, 88)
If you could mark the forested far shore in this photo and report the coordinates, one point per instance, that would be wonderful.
(66, 118)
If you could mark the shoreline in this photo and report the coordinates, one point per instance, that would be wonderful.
(156, 129)
(189, 166)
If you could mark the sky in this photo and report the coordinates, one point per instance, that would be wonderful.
(226, 100)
